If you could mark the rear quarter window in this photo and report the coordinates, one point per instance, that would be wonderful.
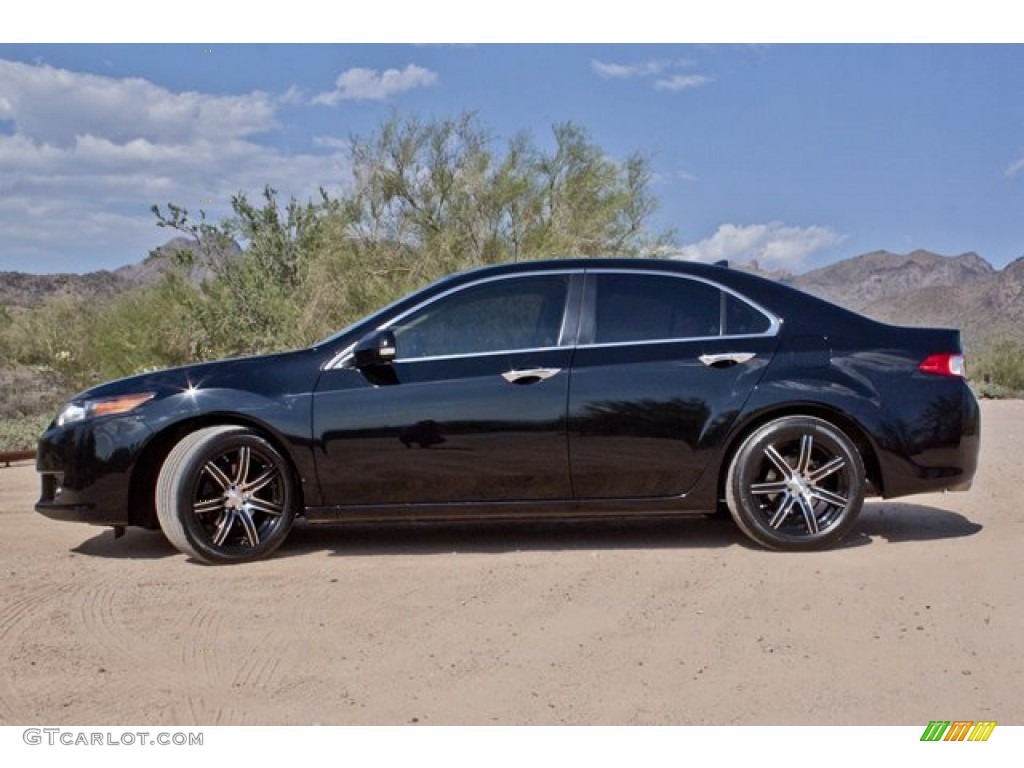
(743, 319)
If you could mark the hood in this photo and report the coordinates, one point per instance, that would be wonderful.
(287, 371)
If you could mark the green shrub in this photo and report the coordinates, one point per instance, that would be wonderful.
(998, 370)
(989, 391)
(21, 434)
(425, 198)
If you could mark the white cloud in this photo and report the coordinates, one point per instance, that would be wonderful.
(1014, 168)
(332, 142)
(774, 245)
(652, 68)
(101, 173)
(54, 106)
(294, 95)
(360, 84)
(89, 154)
(621, 71)
(681, 82)
(669, 177)
(36, 232)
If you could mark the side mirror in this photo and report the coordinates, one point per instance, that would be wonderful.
(374, 349)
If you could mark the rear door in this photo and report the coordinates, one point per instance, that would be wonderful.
(664, 364)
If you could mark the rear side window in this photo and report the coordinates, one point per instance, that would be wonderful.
(658, 307)
(651, 307)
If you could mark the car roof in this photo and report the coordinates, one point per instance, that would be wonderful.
(598, 262)
(720, 273)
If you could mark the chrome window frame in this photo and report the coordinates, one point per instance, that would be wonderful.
(344, 358)
(775, 322)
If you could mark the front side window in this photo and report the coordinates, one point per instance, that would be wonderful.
(501, 315)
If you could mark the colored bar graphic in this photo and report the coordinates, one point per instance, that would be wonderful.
(934, 730)
(982, 730)
(958, 730)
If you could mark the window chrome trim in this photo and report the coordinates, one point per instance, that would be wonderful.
(679, 340)
(344, 357)
(463, 355)
(774, 322)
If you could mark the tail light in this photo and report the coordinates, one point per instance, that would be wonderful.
(943, 364)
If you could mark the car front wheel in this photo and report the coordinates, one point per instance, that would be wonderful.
(796, 483)
(225, 495)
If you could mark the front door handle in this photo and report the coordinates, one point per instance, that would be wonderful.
(725, 359)
(529, 375)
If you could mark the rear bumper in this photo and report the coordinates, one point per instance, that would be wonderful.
(934, 445)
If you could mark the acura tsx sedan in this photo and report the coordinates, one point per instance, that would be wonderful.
(581, 388)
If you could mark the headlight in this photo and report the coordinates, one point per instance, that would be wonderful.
(104, 406)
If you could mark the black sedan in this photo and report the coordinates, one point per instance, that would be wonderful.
(561, 389)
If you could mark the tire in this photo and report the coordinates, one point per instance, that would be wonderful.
(225, 495)
(796, 484)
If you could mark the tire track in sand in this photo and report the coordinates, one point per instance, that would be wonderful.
(16, 618)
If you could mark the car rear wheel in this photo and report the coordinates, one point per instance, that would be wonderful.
(225, 495)
(796, 483)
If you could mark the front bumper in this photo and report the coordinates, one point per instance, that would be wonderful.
(86, 469)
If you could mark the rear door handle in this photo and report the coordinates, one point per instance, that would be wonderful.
(725, 359)
(529, 375)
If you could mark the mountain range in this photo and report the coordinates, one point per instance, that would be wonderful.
(21, 289)
(922, 288)
(918, 288)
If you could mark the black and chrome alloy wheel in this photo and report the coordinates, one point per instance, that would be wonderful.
(225, 494)
(796, 483)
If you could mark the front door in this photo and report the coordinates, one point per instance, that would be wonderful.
(472, 409)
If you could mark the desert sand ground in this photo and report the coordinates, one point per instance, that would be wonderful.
(918, 616)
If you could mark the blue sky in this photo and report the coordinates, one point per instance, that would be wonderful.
(797, 155)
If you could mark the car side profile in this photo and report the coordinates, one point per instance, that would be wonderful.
(576, 388)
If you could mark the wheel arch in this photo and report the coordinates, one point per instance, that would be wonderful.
(142, 485)
(837, 418)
